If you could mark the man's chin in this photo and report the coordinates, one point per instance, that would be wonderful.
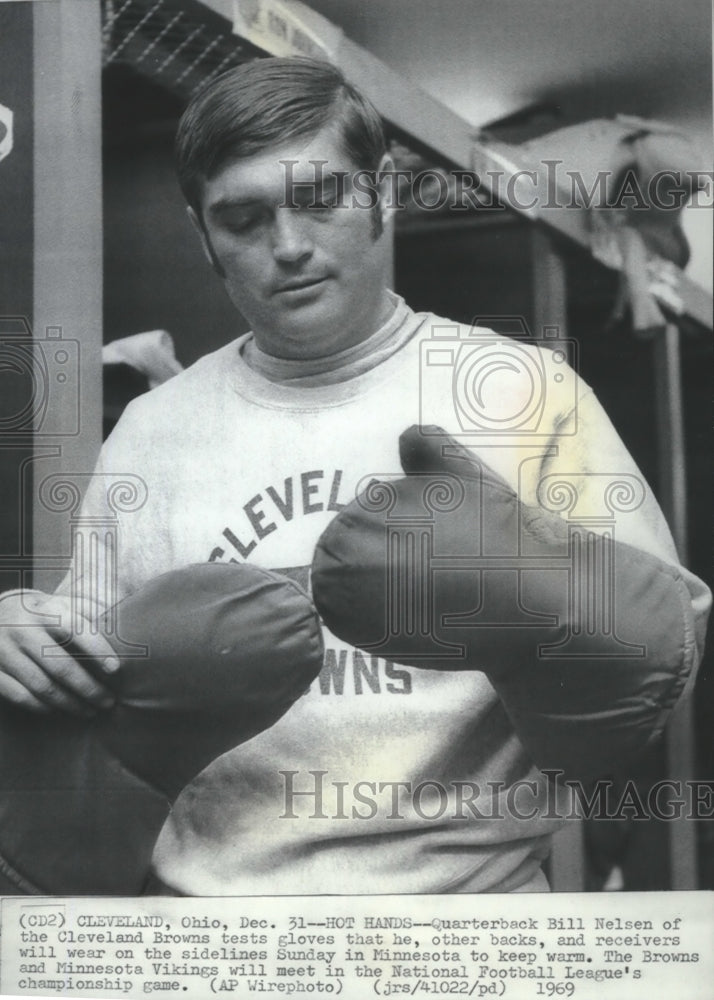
(313, 330)
(315, 327)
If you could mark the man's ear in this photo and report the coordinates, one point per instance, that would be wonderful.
(387, 201)
(206, 245)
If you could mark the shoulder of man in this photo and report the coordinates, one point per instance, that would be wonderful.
(182, 402)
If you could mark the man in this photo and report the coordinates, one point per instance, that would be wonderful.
(248, 457)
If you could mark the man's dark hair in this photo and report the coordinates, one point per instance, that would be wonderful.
(267, 101)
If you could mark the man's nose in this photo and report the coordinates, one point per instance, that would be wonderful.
(291, 237)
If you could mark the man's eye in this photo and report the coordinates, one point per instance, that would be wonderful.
(242, 223)
(321, 199)
(325, 202)
(242, 226)
(325, 199)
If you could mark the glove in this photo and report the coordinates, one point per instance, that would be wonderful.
(218, 654)
(585, 639)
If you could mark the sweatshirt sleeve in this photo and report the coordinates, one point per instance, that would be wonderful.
(119, 525)
(609, 491)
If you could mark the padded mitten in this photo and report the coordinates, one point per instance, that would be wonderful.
(211, 655)
(586, 640)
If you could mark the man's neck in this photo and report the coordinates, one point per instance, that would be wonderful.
(349, 333)
(343, 365)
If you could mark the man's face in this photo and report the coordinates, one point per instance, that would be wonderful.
(310, 280)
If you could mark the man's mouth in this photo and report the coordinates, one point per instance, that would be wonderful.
(296, 285)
